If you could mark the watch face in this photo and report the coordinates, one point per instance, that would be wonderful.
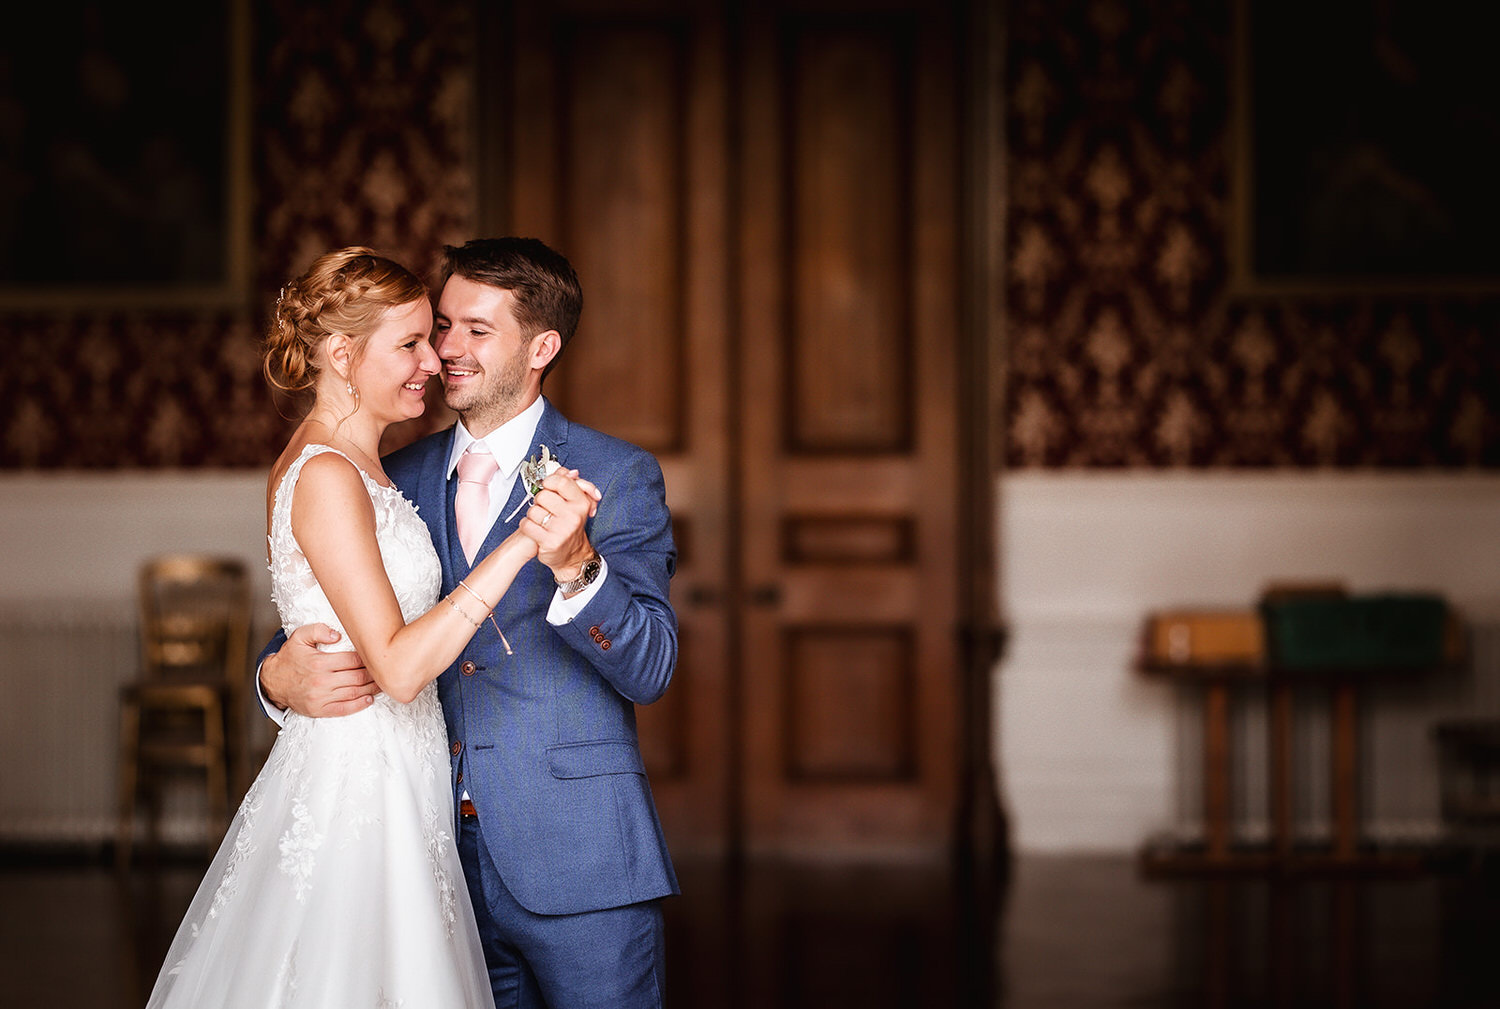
(586, 574)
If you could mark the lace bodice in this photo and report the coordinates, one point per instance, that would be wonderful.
(406, 549)
(344, 839)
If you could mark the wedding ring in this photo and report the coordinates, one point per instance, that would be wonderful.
(546, 517)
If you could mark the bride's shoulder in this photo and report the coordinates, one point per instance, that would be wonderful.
(327, 480)
(304, 457)
(329, 469)
(330, 509)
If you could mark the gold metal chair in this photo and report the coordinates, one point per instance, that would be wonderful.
(186, 709)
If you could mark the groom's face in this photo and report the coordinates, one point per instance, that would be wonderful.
(487, 370)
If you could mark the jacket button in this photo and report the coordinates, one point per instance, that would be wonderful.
(594, 632)
(467, 668)
(456, 747)
(604, 645)
(460, 777)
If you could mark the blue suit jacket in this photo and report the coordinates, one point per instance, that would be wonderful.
(545, 740)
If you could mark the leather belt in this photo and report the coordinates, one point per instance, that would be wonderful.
(466, 808)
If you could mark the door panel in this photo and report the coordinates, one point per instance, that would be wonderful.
(763, 215)
(622, 211)
(616, 156)
(848, 239)
(847, 207)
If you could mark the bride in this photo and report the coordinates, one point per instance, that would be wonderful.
(338, 882)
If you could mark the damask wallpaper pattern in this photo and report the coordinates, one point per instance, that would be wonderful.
(1125, 346)
(360, 133)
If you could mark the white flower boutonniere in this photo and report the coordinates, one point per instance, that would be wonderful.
(533, 472)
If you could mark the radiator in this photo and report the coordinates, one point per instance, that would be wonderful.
(1400, 798)
(61, 667)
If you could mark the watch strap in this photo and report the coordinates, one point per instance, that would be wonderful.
(587, 572)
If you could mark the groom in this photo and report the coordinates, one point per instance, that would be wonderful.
(558, 834)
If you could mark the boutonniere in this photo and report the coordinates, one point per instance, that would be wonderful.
(533, 472)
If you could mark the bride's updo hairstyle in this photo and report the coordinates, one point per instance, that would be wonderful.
(345, 291)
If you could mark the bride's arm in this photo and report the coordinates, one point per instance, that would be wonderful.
(334, 523)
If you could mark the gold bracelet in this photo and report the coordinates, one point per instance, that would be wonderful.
(490, 614)
(476, 595)
(460, 611)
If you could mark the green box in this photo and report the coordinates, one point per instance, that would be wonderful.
(1369, 633)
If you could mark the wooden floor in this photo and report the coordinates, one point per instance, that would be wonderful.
(1069, 933)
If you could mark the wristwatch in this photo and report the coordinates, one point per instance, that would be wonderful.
(586, 576)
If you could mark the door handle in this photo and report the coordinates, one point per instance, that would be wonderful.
(704, 595)
(765, 595)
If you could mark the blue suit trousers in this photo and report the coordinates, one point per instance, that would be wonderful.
(608, 959)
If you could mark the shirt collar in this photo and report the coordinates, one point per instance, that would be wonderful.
(510, 443)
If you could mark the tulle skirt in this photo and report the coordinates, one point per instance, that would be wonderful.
(338, 882)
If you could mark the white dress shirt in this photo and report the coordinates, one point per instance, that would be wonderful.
(511, 444)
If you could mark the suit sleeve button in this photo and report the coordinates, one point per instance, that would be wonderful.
(594, 632)
(467, 668)
(604, 645)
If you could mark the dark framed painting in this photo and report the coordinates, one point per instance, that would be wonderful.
(1367, 147)
(125, 168)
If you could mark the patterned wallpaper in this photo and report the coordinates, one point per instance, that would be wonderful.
(360, 133)
(1126, 345)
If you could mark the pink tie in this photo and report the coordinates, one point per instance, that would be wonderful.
(471, 502)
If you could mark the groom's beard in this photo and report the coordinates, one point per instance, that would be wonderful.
(494, 401)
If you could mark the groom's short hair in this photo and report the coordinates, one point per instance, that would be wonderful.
(546, 290)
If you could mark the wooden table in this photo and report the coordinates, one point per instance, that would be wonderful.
(1347, 850)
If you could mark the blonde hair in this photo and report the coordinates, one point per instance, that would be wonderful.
(344, 291)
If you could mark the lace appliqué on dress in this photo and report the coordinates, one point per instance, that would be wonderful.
(299, 848)
(286, 979)
(438, 841)
(345, 838)
(244, 847)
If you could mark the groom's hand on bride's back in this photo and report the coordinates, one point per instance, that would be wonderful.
(317, 684)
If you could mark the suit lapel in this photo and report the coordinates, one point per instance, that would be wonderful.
(552, 431)
(458, 564)
(435, 499)
(425, 484)
(503, 528)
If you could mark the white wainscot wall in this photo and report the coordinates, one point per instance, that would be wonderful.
(72, 546)
(81, 537)
(1092, 755)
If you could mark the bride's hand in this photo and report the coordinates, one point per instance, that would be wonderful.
(522, 544)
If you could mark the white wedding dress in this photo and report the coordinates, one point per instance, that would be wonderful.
(338, 882)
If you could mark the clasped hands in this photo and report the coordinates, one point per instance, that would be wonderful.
(304, 679)
(555, 522)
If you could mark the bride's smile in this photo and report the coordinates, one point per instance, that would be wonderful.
(392, 372)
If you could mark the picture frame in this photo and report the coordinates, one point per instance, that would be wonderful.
(1366, 149)
(128, 171)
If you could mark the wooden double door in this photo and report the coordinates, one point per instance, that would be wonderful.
(762, 205)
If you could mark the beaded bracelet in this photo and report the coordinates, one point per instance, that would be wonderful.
(460, 611)
(490, 614)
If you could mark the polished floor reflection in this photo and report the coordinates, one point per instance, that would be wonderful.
(1070, 933)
